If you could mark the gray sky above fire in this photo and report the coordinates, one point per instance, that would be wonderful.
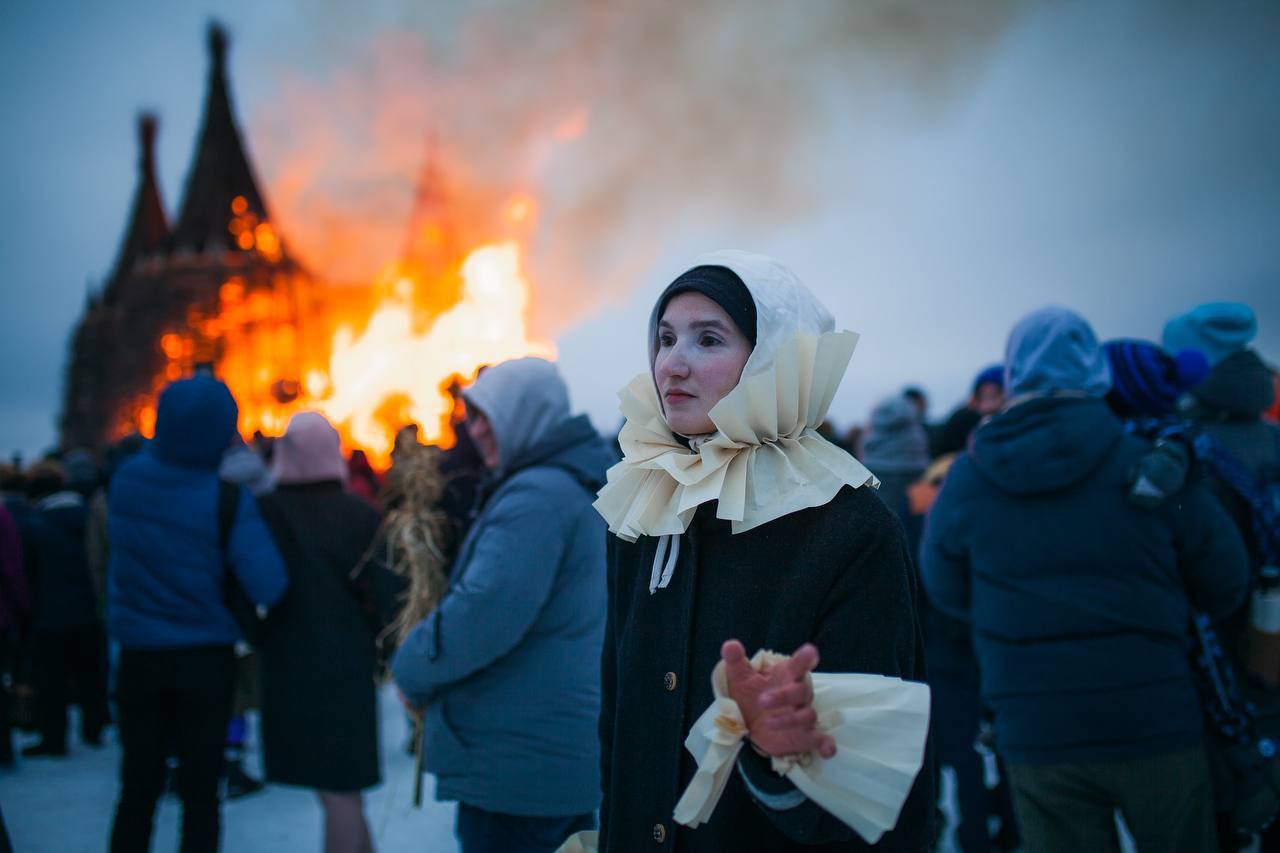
(933, 171)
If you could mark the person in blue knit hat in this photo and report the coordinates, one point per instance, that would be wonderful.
(1148, 381)
(985, 399)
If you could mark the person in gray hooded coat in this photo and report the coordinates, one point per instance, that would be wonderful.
(508, 666)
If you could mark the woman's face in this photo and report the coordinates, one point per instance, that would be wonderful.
(699, 360)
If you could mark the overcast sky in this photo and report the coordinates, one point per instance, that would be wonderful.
(933, 174)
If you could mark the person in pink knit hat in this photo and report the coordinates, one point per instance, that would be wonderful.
(318, 651)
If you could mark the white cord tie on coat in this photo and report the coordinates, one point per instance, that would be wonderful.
(664, 562)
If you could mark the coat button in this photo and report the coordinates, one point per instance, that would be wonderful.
(669, 681)
(659, 833)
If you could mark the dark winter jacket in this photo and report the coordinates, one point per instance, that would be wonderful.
(63, 596)
(1228, 406)
(15, 597)
(836, 575)
(508, 665)
(166, 575)
(317, 650)
(952, 436)
(1079, 602)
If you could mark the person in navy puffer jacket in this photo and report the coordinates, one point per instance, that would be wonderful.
(166, 590)
(1080, 603)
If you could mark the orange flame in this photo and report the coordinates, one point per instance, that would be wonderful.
(394, 361)
(423, 333)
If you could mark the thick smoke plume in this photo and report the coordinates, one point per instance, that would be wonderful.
(625, 123)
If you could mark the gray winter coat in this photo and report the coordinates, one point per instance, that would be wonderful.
(509, 664)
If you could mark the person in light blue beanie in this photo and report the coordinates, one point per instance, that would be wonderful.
(1217, 329)
(1054, 351)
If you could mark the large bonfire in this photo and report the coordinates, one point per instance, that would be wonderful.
(373, 359)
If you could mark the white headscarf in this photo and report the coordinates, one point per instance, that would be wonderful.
(766, 458)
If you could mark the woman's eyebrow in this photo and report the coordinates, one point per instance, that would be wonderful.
(696, 324)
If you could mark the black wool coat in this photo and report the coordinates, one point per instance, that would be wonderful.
(837, 575)
(317, 652)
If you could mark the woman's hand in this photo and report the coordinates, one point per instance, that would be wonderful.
(777, 704)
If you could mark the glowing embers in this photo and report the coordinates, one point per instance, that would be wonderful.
(248, 233)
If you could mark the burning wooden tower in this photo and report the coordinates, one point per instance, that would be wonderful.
(215, 286)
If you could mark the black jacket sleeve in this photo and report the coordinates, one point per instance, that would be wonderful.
(608, 689)
(868, 624)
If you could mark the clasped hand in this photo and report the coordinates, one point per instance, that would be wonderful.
(777, 701)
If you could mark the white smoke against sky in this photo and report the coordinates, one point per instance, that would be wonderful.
(933, 171)
(693, 113)
(1122, 159)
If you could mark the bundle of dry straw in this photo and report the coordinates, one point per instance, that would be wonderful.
(416, 534)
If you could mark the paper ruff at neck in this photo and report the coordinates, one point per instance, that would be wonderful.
(765, 461)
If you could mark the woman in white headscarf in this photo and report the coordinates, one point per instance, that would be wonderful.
(737, 528)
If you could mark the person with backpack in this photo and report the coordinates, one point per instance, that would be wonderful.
(1080, 603)
(1239, 450)
(508, 666)
(178, 563)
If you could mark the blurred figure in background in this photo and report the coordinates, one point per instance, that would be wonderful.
(242, 465)
(15, 604)
(67, 637)
(508, 666)
(362, 480)
(1240, 450)
(22, 706)
(959, 721)
(98, 541)
(1273, 414)
(318, 649)
(1079, 604)
(986, 398)
(920, 401)
(173, 563)
(896, 450)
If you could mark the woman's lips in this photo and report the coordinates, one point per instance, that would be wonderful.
(677, 396)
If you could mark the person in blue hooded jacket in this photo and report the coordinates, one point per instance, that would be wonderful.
(1080, 603)
(167, 579)
(508, 666)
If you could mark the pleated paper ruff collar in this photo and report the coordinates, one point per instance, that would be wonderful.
(765, 461)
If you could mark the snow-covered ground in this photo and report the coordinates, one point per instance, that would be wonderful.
(66, 806)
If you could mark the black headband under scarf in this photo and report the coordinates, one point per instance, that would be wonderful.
(722, 286)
